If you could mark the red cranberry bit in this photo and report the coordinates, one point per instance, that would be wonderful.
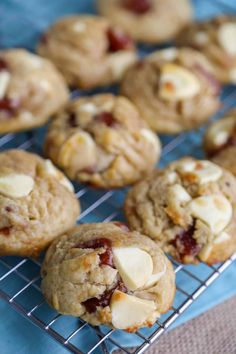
(72, 121)
(5, 231)
(139, 7)
(106, 118)
(213, 82)
(185, 243)
(106, 258)
(9, 105)
(3, 65)
(104, 300)
(118, 40)
(123, 226)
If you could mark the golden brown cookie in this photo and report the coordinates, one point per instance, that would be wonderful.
(151, 21)
(189, 209)
(173, 89)
(31, 90)
(106, 274)
(37, 203)
(103, 141)
(216, 39)
(220, 142)
(88, 50)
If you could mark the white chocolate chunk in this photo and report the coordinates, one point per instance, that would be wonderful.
(120, 62)
(214, 210)
(201, 38)
(166, 54)
(135, 266)
(205, 252)
(177, 83)
(172, 177)
(154, 278)
(52, 170)
(227, 36)
(4, 81)
(130, 312)
(205, 171)
(89, 108)
(16, 185)
(222, 237)
(177, 192)
(152, 139)
(79, 27)
(78, 151)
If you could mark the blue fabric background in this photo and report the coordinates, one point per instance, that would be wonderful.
(21, 23)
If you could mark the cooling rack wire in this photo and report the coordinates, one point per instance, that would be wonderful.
(20, 278)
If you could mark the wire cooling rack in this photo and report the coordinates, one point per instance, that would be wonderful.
(20, 278)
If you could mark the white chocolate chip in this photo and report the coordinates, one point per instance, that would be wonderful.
(130, 312)
(220, 131)
(214, 210)
(151, 138)
(4, 82)
(79, 27)
(227, 37)
(205, 252)
(222, 237)
(120, 62)
(177, 83)
(178, 193)
(201, 38)
(172, 177)
(135, 266)
(78, 151)
(16, 185)
(89, 108)
(154, 278)
(53, 171)
(205, 171)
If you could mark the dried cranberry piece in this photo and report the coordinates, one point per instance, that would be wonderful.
(104, 300)
(213, 82)
(118, 40)
(3, 65)
(123, 226)
(106, 258)
(5, 231)
(106, 118)
(185, 244)
(139, 7)
(72, 121)
(9, 105)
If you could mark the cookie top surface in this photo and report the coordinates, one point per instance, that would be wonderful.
(220, 142)
(216, 39)
(31, 90)
(151, 21)
(88, 50)
(102, 140)
(37, 203)
(174, 89)
(102, 272)
(188, 208)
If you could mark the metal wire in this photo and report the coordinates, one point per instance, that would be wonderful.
(19, 278)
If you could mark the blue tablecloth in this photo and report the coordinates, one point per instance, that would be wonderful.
(21, 23)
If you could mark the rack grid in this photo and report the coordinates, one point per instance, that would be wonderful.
(20, 278)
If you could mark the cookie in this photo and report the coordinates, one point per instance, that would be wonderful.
(106, 274)
(189, 209)
(31, 90)
(102, 140)
(88, 50)
(173, 89)
(150, 21)
(216, 39)
(220, 142)
(37, 203)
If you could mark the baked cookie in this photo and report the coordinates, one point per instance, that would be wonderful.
(37, 203)
(189, 209)
(88, 50)
(31, 90)
(106, 274)
(173, 89)
(220, 142)
(151, 21)
(216, 39)
(102, 140)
